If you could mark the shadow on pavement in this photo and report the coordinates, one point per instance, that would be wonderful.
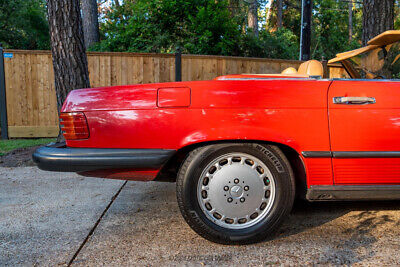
(144, 226)
(363, 217)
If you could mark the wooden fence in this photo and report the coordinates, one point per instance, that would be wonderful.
(31, 100)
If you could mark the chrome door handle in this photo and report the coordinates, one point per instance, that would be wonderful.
(354, 100)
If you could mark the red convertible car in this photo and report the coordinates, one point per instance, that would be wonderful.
(241, 147)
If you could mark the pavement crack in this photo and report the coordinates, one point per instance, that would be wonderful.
(96, 224)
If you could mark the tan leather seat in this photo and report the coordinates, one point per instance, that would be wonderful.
(311, 68)
(289, 71)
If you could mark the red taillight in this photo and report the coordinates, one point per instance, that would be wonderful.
(74, 126)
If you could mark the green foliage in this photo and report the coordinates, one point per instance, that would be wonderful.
(198, 27)
(331, 31)
(279, 44)
(9, 145)
(23, 24)
(211, 33)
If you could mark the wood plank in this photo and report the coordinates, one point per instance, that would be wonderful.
(211, 69)
(40, 90)
(28, 88)
(163, 71)
(156, 69)
(171, 69)
(148, 70)
(185, 68)
(196, 67)
(125, 70)
(43, 85)
(8, 71)
(221, 67)
(48, 92)
(137, 71)
(93, 67)
(23, 107)
(32, 131)
(118, 70)
(52, 94)
(18, 89)
(105, 71)
(35, 97)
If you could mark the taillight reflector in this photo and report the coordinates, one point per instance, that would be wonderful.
(74, 126)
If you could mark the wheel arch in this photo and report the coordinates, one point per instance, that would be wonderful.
(170, 169)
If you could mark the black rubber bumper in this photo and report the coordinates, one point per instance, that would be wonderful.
(58, 157)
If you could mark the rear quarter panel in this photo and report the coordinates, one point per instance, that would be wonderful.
(290, 112)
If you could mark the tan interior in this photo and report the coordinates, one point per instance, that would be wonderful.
(315, 68)
(308, 68)
(279, 75)
(289, 71)
(352, 53)
(385, 38)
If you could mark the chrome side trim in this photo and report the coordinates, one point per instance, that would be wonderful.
(366, 154)
(317, 154)
(353, 192)
(266, 78)
(351, 154)
(365, 80)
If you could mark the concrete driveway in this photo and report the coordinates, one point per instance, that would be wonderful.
(56, 219)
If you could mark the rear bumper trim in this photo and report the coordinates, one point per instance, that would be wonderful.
(66, 159)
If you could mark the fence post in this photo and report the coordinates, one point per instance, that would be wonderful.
(326, 68)
(3, 103)
(178, 65)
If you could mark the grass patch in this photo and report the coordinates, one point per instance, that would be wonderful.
(8, 145)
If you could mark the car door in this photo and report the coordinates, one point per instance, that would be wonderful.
(364, 121)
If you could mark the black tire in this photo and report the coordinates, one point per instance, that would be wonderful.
(189, 175)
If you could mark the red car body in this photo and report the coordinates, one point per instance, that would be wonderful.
(337, 145)
(241, 147)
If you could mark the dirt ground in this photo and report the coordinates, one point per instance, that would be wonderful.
(18, 158)
(52, 219)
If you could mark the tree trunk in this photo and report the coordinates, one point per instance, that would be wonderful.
(67, 47)
(252, 17)
(269, 11)
(233, 6)
(90, 22)
(350, 20)
(378, 16)
(279, 14)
